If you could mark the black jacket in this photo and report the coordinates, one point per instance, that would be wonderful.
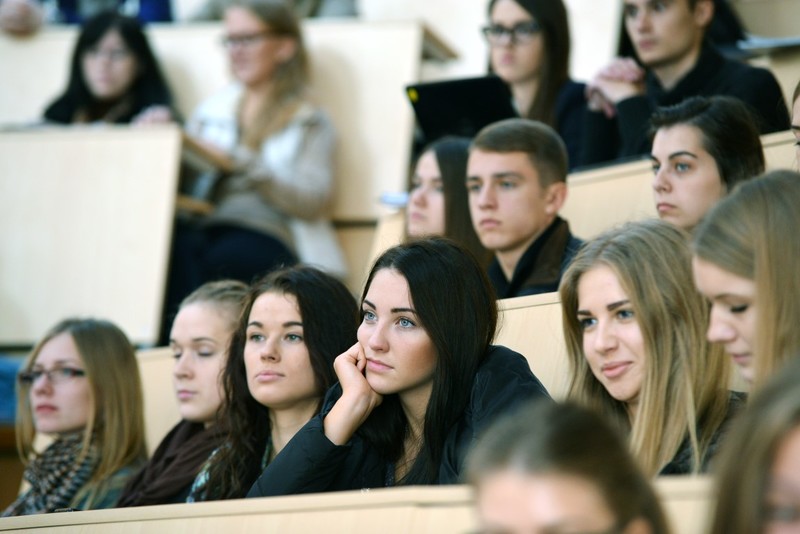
(311, 463)
(626, 135)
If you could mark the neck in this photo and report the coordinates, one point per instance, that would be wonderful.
(508, 259)
(415, 404)
(632, 407)
(284, 424)
(670, 74)
(524, 93)
(253, 100)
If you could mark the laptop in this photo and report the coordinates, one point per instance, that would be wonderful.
(459, 107)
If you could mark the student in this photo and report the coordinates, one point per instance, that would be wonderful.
(758, 473)
(796, 119)
(437, 201)
(417, 388)
(529, 42)
(635, 334)
(294, 322)
(676, 63)
(745, 263)
(560, 468)
(114, 77)
(200, 337)
(516, 177)
(81, 386)
(702, 148)
(271, 211)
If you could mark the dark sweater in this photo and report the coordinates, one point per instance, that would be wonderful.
(626, 135)
(311, 463)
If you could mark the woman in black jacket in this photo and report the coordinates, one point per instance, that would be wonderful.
(417, 388)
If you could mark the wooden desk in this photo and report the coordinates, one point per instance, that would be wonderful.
(85, 218)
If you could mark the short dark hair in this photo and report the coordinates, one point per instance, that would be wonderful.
(540, 142)
(729, 133)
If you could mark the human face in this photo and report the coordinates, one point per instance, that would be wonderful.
(65, 406)
(612, 339)
(515, 60)
(276, 359)
(667, 33)
(400, 355)
(254, 53)
(796, 127)
(109, 67)
(733, 312)
(510, 502)
(686, 181)
(426, 200)
(783, 493)
(508, 205)
(199, 339)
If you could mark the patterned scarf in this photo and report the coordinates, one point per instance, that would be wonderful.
(55, 477)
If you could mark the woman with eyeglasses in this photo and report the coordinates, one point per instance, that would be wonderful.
(271, 210)
(114, 77)
(529, 44)
(81, 386)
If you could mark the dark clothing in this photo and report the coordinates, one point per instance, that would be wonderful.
(77, 11)
(540, 268)
(681, 464)
(570, 112)
(311, 463)
(626, 135)
(168, 476)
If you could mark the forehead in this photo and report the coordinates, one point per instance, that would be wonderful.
(679, 137)
(509, 10)
(485, 164)
(389, 288)
(600, 283)
(60, 349)
(280, 306)
(668, 3)
(242, 19)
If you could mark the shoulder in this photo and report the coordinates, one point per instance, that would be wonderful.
(504, 374)
(571, 93)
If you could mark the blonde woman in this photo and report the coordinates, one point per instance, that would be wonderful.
(635, 334)
(746, 263)
(80, 385)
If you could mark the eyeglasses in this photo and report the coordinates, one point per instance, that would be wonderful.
(246, 40)
(54, 376)
(497, 34)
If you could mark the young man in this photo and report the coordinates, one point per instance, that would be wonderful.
(676, 62)
(516, 178)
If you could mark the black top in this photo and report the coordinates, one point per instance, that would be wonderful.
(540, 268)
(311, 463)
(626, 135)
(570, 111)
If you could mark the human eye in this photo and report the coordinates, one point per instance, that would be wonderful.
(496, 30)
(507, 184)
(586, 322)
(682, 167)
(206, 351)
(658, 6)
(740, 308)
(66, 372)
(294, 338)
(630, 11)
(656, 167)
(368, 316)
(526, 29)
(255, 336)
(473, 186)
(626, 314)
(405, 322)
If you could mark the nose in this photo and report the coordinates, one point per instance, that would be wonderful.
(661, 183)
(487, 197)
(183, 365)
(270, 351)
(642, 20)
(418, 196)
(719, 331)
(605, 339)
(42, 385)
(377, 341)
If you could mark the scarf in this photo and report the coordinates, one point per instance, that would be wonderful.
(169, 474)
(55, 477)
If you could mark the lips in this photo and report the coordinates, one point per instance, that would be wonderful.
(615, 369)
(664, 207)
(44, 409)
(268, 376)
(742, 359)
(488, 224)
(185, 394)
(376, 366)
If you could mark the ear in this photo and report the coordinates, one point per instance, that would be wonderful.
(555, 196)
(286, 50)
(703, 13)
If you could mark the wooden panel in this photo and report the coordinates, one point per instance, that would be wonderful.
(85, 220)
(160, 405)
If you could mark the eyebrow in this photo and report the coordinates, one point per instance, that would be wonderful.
(285, 325)
(795, 127)
(57, 363)
(677, 154)
(611, 307)
(393, 310)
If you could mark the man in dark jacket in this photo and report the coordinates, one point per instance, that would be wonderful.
(675, 62)
(516, 177)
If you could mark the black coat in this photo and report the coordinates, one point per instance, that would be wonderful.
(311, 463)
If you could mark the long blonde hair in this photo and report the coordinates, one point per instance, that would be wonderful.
(750, 234)
(290, 80)
(684, 391)
(116, 418)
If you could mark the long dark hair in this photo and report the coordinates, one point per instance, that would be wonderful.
(330, 319)
(456, 305)
(148, 89)
(551, 15)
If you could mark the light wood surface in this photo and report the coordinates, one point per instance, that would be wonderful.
(85, 223)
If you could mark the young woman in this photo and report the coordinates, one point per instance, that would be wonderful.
(745, 263)
(529, 45)
(437, 202)
(635, 334)
(540, 470)
(702, 148)
(114, 77)
(200, 337)
(281, 363)
(758, 474)
(270, 211)
(419, 385)
(81, 386)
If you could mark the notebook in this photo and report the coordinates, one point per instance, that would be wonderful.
(459, 107)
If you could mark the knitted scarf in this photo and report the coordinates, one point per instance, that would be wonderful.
(55, 476)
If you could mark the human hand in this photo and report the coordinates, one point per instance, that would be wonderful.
(622, 78)
(20, 17)
(153, 115)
